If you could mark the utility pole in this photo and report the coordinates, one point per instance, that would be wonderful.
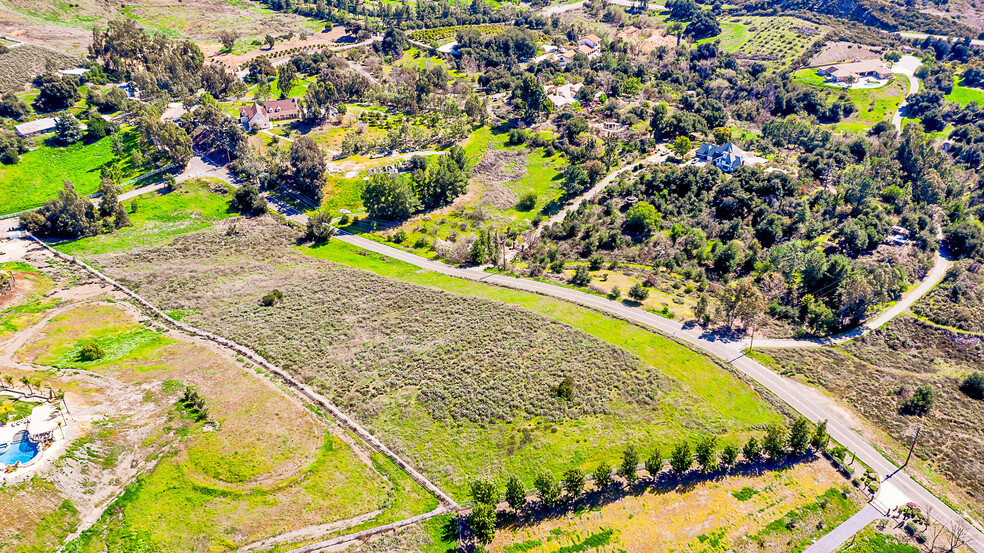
(751, 343)
(913, 446)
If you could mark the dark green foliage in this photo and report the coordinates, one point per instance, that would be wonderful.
(573, 483)
(921, 402)
(484, 491)
(56, 93)
(548, 489)
(973, 385)
(603, 476)
(308, 163)
(820, 439)
(704, 25)
(91, 351)
(630, 465)
(11, 147)
(194, 403)
(596, 262)
(319, 228)
(69, 216)
(272, 298)
(391, 198)
(654, 463)
(775, 442)
(799, 436)
(68, 129)
(12, 106)
(581, 276)
(482, 521)
(729, 455)
(682, 458)
(247, 200)
(515, 493)
(565, 390)
(638, 292)
(705, 453)
(518, 136)
(527, 201)
(642, 218)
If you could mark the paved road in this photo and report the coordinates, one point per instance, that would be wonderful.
(839, 536)
(906, 66)
(920, 36)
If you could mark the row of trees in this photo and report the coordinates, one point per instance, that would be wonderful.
(777, 445)
(72, 216)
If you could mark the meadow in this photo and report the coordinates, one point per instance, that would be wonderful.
(425, 369)
(161, 216)
(964, 95)
(270, 465)
(41, 173)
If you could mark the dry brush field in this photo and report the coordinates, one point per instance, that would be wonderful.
(461, 385)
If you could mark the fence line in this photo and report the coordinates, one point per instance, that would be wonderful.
(372, 531)
(304, 390)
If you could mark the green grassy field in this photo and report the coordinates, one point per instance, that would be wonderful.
(964, 95)
(160, 217)
(342, 193)
(40, 174)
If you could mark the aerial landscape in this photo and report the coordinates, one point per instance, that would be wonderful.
(546, 276)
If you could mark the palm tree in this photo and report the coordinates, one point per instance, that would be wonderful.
(36, 382)
(60, 396)
(9, 380)
(27, 382)
(2, 380)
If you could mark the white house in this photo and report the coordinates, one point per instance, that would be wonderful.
(36, 127)
(563, 95)
(727, 157)
(254, 116)
(591, 41)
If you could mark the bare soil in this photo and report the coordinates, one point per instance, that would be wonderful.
(836, 52)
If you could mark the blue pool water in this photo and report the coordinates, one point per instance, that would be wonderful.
(21, 449)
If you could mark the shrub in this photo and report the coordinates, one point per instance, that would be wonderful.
(581, 276)
(638, 292)
(921, 401)
(565, 390)
(973, 385)
(319, 228)
(91, 351)
(615, 293)
(518, 136)
(272, 298)
(527, 201)
(400, 236)
(596, 262)
(557, 266)
(421, 243)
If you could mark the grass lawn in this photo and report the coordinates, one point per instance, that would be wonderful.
(40, 174)
(160, 217)
(708, 394)
(964, 95)
(342, 193)
(871, 105)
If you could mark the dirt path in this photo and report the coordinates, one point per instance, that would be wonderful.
(309, 532)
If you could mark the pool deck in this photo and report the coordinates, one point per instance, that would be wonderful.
(63, 434)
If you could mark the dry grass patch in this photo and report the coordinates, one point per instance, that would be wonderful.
(708, 515)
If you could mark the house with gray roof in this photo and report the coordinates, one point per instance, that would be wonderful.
(727, 157)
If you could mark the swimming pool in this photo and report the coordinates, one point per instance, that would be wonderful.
(21, 449)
